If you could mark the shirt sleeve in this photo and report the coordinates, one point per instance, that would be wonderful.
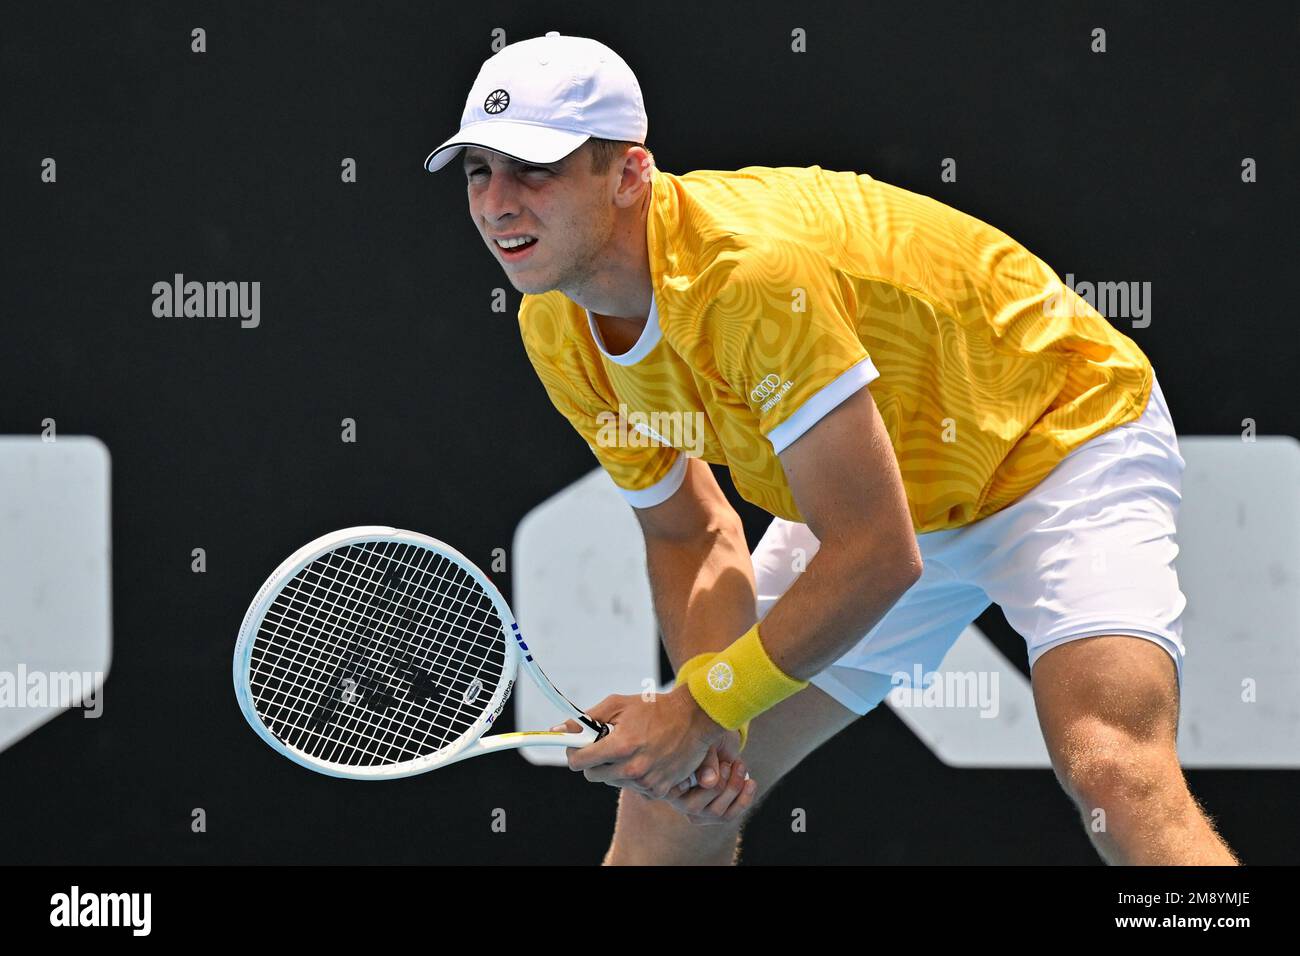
(784, 334)
(645, 472)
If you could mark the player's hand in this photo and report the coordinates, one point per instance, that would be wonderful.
(707, 774)
(654, 745)
(711, 806)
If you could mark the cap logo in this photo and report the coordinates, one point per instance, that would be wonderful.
(496, 101)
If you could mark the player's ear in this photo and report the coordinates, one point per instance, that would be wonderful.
(635, 166)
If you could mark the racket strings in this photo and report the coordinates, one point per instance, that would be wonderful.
(376, 653)
(334, 617)
(360, 667)
(346, 670)
(323, 660)
(358, 722)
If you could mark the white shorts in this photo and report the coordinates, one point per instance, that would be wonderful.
(1088, 551)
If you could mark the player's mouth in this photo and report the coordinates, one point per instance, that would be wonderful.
(514, 248)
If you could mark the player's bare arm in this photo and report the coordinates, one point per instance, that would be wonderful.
(845, 479)
(700, 571)
(703, 587)
(702, 583)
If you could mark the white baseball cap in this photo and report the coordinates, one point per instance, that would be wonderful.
(540, 99)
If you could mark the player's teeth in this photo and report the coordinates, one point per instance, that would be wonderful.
(513, 243)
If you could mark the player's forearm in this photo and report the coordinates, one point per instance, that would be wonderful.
(703, 590)
(837, 599)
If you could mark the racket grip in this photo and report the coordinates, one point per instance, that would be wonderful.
(693, 781)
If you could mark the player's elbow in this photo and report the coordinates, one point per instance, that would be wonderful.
(892, 559)
(905, 555)
(912, 566)
(903, 560)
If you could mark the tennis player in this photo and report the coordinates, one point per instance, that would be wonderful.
(933, 419)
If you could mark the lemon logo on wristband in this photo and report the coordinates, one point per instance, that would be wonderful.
(721, 676)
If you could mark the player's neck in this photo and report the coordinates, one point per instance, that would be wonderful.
(621, 290)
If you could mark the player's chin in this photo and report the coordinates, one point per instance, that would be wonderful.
(530, 284)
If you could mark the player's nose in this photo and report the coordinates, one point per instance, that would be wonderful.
(499, 198)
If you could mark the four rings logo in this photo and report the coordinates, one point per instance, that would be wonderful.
(770, 391)
(496, 101)
(765, 388)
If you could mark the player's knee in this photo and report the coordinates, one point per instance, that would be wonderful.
(711, 825)
(640, 812)
(651, 832)
(1102, 766)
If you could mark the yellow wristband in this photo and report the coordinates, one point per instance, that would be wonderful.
(694, 664)
(741, 682)
(689, 667)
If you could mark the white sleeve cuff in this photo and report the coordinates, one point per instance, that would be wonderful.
(661, 490)
(821, 403)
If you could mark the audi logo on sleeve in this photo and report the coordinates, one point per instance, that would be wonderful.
(765, 388)
(769, 391)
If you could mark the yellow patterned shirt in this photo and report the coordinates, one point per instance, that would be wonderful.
(778, 292)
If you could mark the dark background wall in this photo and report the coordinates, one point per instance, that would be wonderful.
(376, 302)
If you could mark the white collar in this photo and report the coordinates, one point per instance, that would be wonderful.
(650, 337)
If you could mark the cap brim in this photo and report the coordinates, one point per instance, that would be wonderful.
(525, 142)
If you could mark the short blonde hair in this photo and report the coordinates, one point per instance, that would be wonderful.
(606, 151)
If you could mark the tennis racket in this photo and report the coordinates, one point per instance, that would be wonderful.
(374, 653)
